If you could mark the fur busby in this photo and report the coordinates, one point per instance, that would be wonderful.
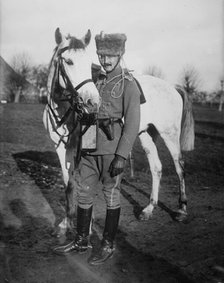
(110, 44)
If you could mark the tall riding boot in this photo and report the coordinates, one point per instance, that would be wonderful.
(107, 244)
(80, 244)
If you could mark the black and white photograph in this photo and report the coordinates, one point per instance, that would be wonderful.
(112, 141)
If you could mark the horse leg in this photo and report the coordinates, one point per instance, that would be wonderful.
(70, 177)
(173, 145)
(67, 222)
(156, 171)
(70, 203)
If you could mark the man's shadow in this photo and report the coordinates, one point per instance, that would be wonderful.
(33, 237)
(30, 233)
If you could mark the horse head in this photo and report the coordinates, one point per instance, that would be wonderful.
(70, 71)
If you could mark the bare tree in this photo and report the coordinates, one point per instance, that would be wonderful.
(39, 79)
(190, 80)
(221, 100)
(154, 71)
(21, 63)
(39, 76)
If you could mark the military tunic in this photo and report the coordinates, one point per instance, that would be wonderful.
(120, 99)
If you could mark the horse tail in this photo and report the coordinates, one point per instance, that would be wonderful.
(187, 135)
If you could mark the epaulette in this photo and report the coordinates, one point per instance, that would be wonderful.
(128, 75)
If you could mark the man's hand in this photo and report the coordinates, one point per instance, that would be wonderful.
(117, 165)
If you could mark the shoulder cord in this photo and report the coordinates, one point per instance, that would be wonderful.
(116, 84)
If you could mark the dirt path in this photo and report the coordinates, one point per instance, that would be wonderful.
(160, 250)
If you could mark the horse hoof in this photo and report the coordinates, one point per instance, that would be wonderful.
(59, 232)
(144, 216)
(181, 217)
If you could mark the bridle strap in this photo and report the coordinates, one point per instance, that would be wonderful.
(83, 83)
(67, 81)
(63, 119)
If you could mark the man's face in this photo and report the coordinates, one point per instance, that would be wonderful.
(109, 62)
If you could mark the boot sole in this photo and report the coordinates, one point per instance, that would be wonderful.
(101, 262)
(69, 253)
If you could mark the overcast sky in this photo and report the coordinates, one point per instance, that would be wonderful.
(170, 34)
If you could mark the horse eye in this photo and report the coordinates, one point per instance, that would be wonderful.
(69, 61)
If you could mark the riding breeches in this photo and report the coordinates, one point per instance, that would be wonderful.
(93, 170)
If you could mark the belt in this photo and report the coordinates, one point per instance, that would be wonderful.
(109, 121)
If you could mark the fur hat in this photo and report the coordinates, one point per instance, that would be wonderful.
(110, 44)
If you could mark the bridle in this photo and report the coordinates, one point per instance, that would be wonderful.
(69, 93)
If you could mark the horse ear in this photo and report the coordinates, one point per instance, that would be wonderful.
(87, 37)
(58, 36)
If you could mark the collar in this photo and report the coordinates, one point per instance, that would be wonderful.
(117, 71)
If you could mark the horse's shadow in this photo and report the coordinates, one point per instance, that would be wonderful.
(46, 157)
(32, 229)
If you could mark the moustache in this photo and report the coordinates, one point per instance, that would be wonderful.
(107, 65)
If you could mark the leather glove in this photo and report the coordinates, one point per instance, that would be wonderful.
(117, 165)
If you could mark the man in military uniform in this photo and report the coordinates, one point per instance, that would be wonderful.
(119, 118)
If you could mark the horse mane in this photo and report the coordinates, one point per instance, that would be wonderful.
(76, 43)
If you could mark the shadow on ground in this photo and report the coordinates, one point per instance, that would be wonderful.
(26, 248)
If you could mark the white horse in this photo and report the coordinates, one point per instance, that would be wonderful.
(71, 94)
(166, 109)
